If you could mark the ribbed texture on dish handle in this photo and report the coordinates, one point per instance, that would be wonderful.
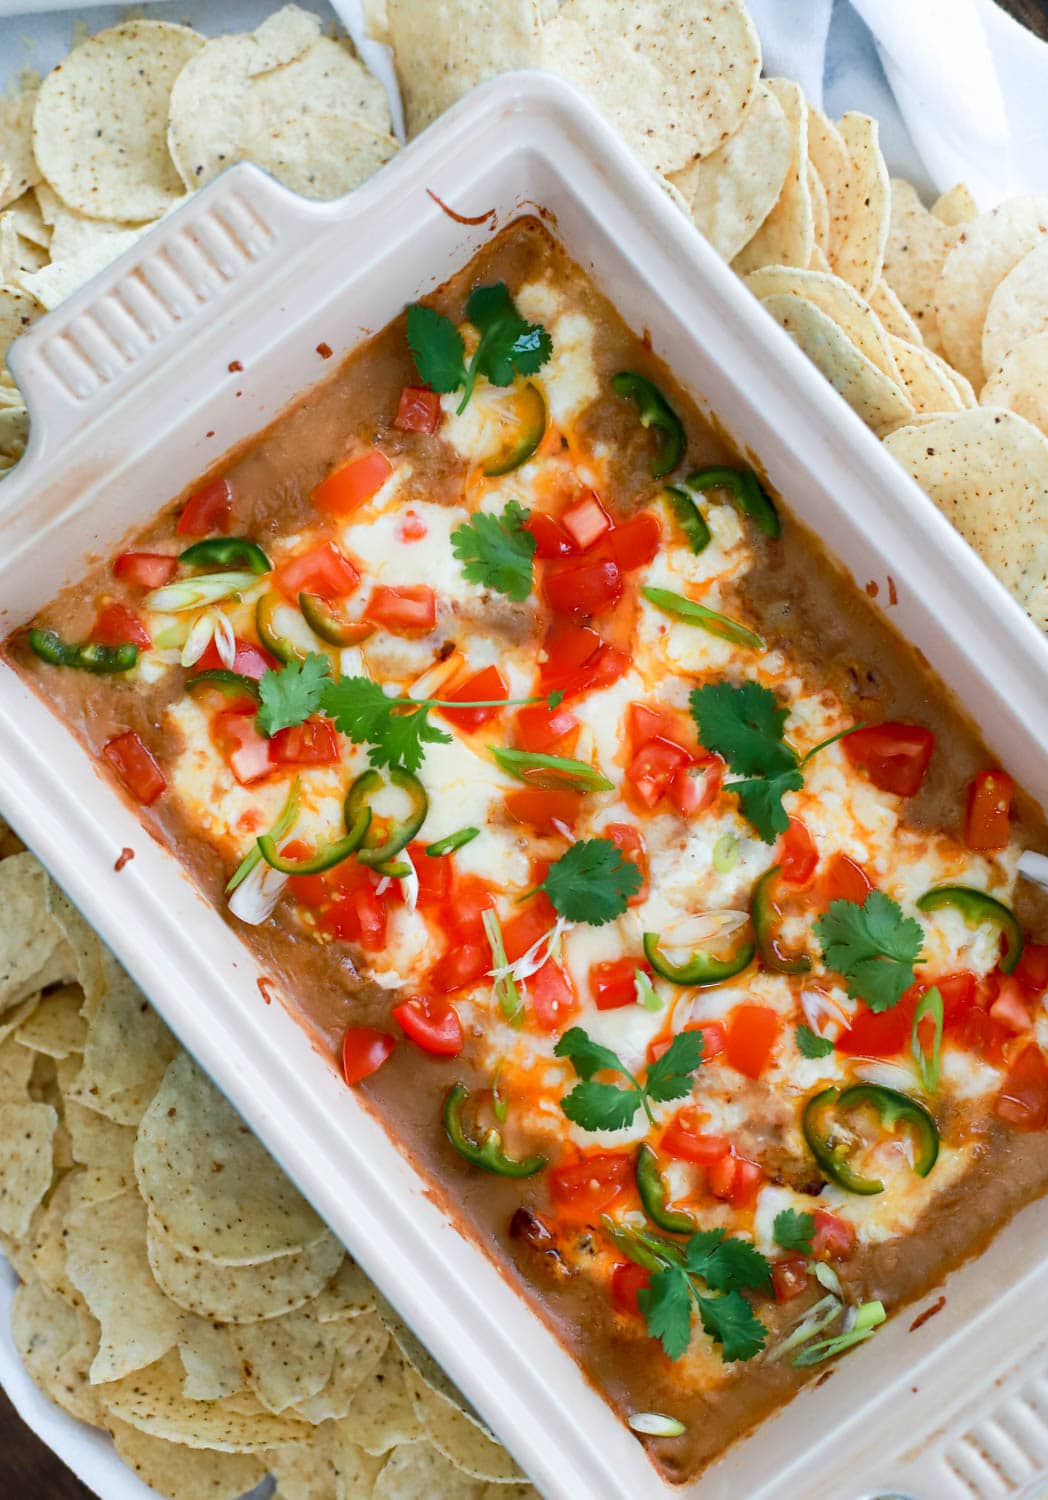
(107, 337)
(1004, 1454)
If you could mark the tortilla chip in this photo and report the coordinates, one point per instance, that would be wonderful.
(956, 205)
(101, 1145)
(210, 1359)
(861, 212)
(287, 1359)
(787, 236)
(14, 1018)
(348, 1295)
(918, 244)
(14, 434)
(321, 156)
(926, 379)
(151, 1400)
(829, 156)
(85, 944)
(985, 251)
(1021, 383)
(838, 301)
(100, 124)
(128, 1048)
(56, 1027)
(24, 213)
(243, 1293)
(987, 471)
(358, 1347)
(210, 1185)
(820, 212)
(892, 315)
(18, 168)
(56, 1343)
(32, 951)
(674, 80)
(498, 1491)
(306, 1471)
(27, 1131)
(461, 1439)
(282, 37)
(106, 1260)
(381, 1414)
(1018, 308)
(873, 395)
(183, 1473)
(355, 1471)
(417, 1471)
(730, 193)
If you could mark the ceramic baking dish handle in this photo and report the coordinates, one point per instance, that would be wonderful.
(109, 336)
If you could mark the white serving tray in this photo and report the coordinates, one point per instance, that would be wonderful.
(131, 397)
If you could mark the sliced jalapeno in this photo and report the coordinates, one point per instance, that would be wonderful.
(230, 684)
(531, 406)
(329, 625)
(551, 772)
(832, 1148)
(765, 920)
(227, 552)
(489, 1152)
(86, 656)
(379, 848)
(655, 411)
(274, 636)
(652, 1189)
(688, 517)
(746, 494)
(694, 613)
(701, 969)
(324, 859)
(452, 841)
(975, 907)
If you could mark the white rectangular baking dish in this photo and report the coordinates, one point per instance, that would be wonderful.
(132, 394)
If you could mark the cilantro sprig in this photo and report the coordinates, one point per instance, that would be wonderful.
(605, 1106)
(873, 946)
(509, 345)
(681, 1278)
(290, 694)
(810, 1044)
(497, 551)
(592, 882)
(793, 1230)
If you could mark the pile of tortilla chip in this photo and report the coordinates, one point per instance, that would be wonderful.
(176, 1289)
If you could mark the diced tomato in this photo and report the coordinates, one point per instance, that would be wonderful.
(748, 1178)
(894, 756)
(832, 1238)
(630, 842)
(245, 749)
(551, 540)
(485, 684)
(411, 527)
(653, 768)
(134, 766)
(586, 522)
(957, 991)
(312, 891)
(462, 918)
(548, 812)
(313, 743)
(250, 660)
(613, 983)
(523, 931)
(1032, 969)
(1023, 1099)
(697, 786)
(1009, 1009)
(364, 1050)
(353, 484)
(576, 659)
(714, 1038)
(117, 625)
(634, 543)
(582, 587)
(685, 1144)
(989, 810)
(542, 729)
(883, 1034)
(647, 723)
(147, 570)
(789, 1278)
(208, 510)
(752, 1033)
(323, 570)
(798, 855)
(583, 1189)
(627, 1280)
(434, 875)
(358, 914)
(418, 410)
(404, 611)
(431, 1023)
(552, 996)
(842, 879)
(720, 1177)
(459, 967)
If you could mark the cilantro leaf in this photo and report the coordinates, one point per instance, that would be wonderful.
(811, 1045)
(509, 344)
(601, 1106)
(592, 882)
(745, 725)
(290, 694)
(587, 1056)
(666, 1305)
(497, 551)
(437, 349)
(669, 1077)
(793, 1230)
(873, 946)
(730, 1321)
(760, 800)
(726, 1264)
(394, 733)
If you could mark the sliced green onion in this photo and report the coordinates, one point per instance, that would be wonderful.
(193, 593)
(511, 1001)
(709, 620)
(826, 1276)
(868, 1317)
(172, 636)
(655, 1424)
(928, 1067)
(394, 869)
(451, 841)
(818, 1317)
(551, 772)
(725, 853)
(646, 993)
(499, 1106)
(283, 825)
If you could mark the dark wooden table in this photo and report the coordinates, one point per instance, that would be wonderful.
(27, 1467)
